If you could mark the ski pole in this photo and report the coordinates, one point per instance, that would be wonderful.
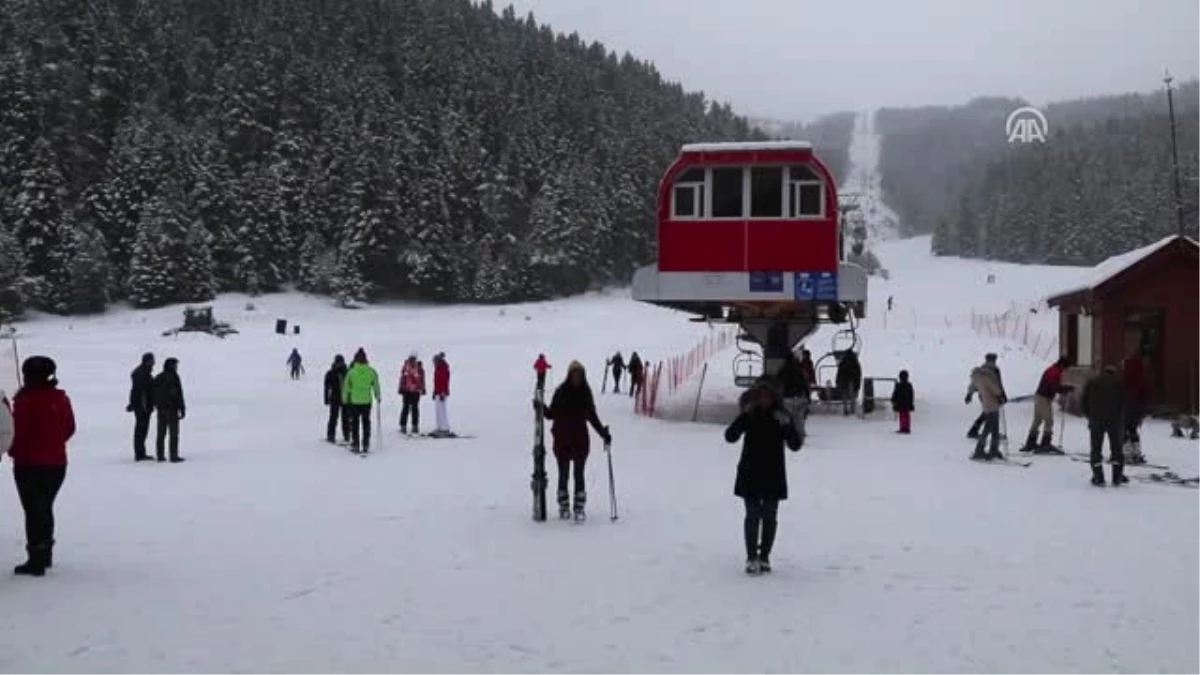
(379, 422)
(612, 486)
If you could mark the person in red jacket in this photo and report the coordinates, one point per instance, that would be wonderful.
(441, 391)
(572, 409)
(1137, 393)
(1049, 387)
(43, 422)
(540, 366)
(412, 388)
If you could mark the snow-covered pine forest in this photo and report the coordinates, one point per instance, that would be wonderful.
(160, 152)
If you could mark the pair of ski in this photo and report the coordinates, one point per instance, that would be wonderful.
(540, 481)
(1087, 459)
(1002, 461)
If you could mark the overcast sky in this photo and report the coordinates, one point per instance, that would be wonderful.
(796, 59)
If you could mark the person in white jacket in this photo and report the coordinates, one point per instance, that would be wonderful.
(6, 424)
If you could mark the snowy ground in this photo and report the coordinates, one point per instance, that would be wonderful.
(271, 551)
(864, 180)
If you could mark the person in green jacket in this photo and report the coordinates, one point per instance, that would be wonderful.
(359, 389)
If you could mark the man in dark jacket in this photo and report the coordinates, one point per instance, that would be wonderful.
(572, 409)
(168, 401)
(1103, 403)
(333, 399)
(903, 402)
(849, 380)
(989, 361)
(617, 362)
(141, 404)
(636, 372)
(762, 470)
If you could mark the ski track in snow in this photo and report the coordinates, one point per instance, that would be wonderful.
(271, 551)
(864, 180)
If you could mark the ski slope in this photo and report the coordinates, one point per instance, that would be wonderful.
(864, 180)
(272, 551)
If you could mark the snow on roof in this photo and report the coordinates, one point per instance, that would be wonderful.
(750, 145)
(1113, 266)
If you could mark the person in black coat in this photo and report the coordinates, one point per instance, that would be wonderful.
(903, 400)
(1103, 402)
(168, 401)
(849, 380)
(762, 471)
(617, 362)
(333, 399)
(637, 374)
(141, 404)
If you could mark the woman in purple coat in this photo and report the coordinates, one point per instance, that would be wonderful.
(572, 409)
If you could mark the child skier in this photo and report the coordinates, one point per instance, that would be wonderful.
(540, 366)
(902, 402)
(572, 409)
(412, 388)
(294, 364)
(441, 391)
(762, 472)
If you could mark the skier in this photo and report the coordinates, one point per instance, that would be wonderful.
(637, 371)
(849, 380)
(412, 388)
(6, 424)
(889, 303)
(333, 399)
(168, 401)
(808, 368)
(1137, 392)
(141, 404)
(359, 389)
(762, 472)
(540, 366)
(618, 367)
(43, 422)
(989, 361)
(986, 383)
(441, 391)
(572, 409)
(794, 385)
(1043, 410)
(294, 363)
(1103, 402)
(903, 402)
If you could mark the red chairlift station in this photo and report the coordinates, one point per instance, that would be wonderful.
(752, 234)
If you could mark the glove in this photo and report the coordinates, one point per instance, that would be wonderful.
(1003, 399)
(537, 405)
(606, 435)
(182, 414)
(129, 408)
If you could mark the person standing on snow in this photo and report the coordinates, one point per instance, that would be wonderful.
(849, 380)
(572, 409)
(904, 402)
(1049, 387)
(762, 470)
(793, 385)
(989, 361)
(1103, 403)
(168, 401)
(1137, 393)
(412, 388)
(334, 377)
(808, 368)
(141, 404)
(986, 383)
(540, 366)
(295, 364)
(43, 422)
(441, 391)
(617, 362)
(637, 373)
(359, 389)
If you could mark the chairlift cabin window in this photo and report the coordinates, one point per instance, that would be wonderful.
(687, 195)
(806, 193)
(728, 192)
(766, 192)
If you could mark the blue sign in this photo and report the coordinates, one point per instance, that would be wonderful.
(766, 282)
(816, 286)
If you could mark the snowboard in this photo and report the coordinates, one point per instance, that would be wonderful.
(539, 479)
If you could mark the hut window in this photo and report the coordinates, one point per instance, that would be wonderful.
(687, 195)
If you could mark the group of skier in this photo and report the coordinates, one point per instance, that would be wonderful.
(160, 395)
(637, 372)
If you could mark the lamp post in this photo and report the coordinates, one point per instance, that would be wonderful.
(1174, 155)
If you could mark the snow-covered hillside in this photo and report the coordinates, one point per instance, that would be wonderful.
(270, 550)
(863, 180)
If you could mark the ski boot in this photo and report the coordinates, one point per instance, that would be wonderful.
(1118, 475)
(1098, 475)
(979, 455)
(1133, 454)
(1030, 442)
(995, 453)
(752, 567)
(564, 506)
(37, 563)
(769, 527)
(580, 503)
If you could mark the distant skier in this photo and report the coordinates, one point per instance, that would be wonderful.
(617, 363)
(794, 386)
(572, 409)
(986, 382)
(441, 391)
(169, 403)
(43, 422)
(6, 424)
(141, 404)
(808, 368)
(1103, 403)
(1137, 394)
(904, 402)
(849, 380)
(295, 364)
(334, 378)
(637, 374)
(359, 390)
(1048, 388)
(989, 361)
(540, 366)
(762, 471)
(412, 388)
(889, 303)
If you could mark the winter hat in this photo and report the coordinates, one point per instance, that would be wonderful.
(148, 358)
(360, 356)
(39, 371)
(990, 357)
(412, 355)
(171, 364)
(904, 376)
(575, 365)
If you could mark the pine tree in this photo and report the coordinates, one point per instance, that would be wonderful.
(196, 268)
(12, 296)
(89, 271)
(152, 278)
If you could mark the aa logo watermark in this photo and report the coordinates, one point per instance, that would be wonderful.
(1026, 124)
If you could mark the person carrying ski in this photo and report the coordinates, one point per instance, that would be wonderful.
(1137, 393)
(849, 380)
(903, 402)
(989, 361)
(295, 364)
(412, 388)
(43, 422)
(1049, 387)
(572, 408)
(359, 390)
(1103, 403)
(441, 391)
(617, 362)
(6, 424)
(540, 366)
(761, 479)
(986, 383)
(637, 371)
(333, 400)
(168, 401)
(141, 404)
